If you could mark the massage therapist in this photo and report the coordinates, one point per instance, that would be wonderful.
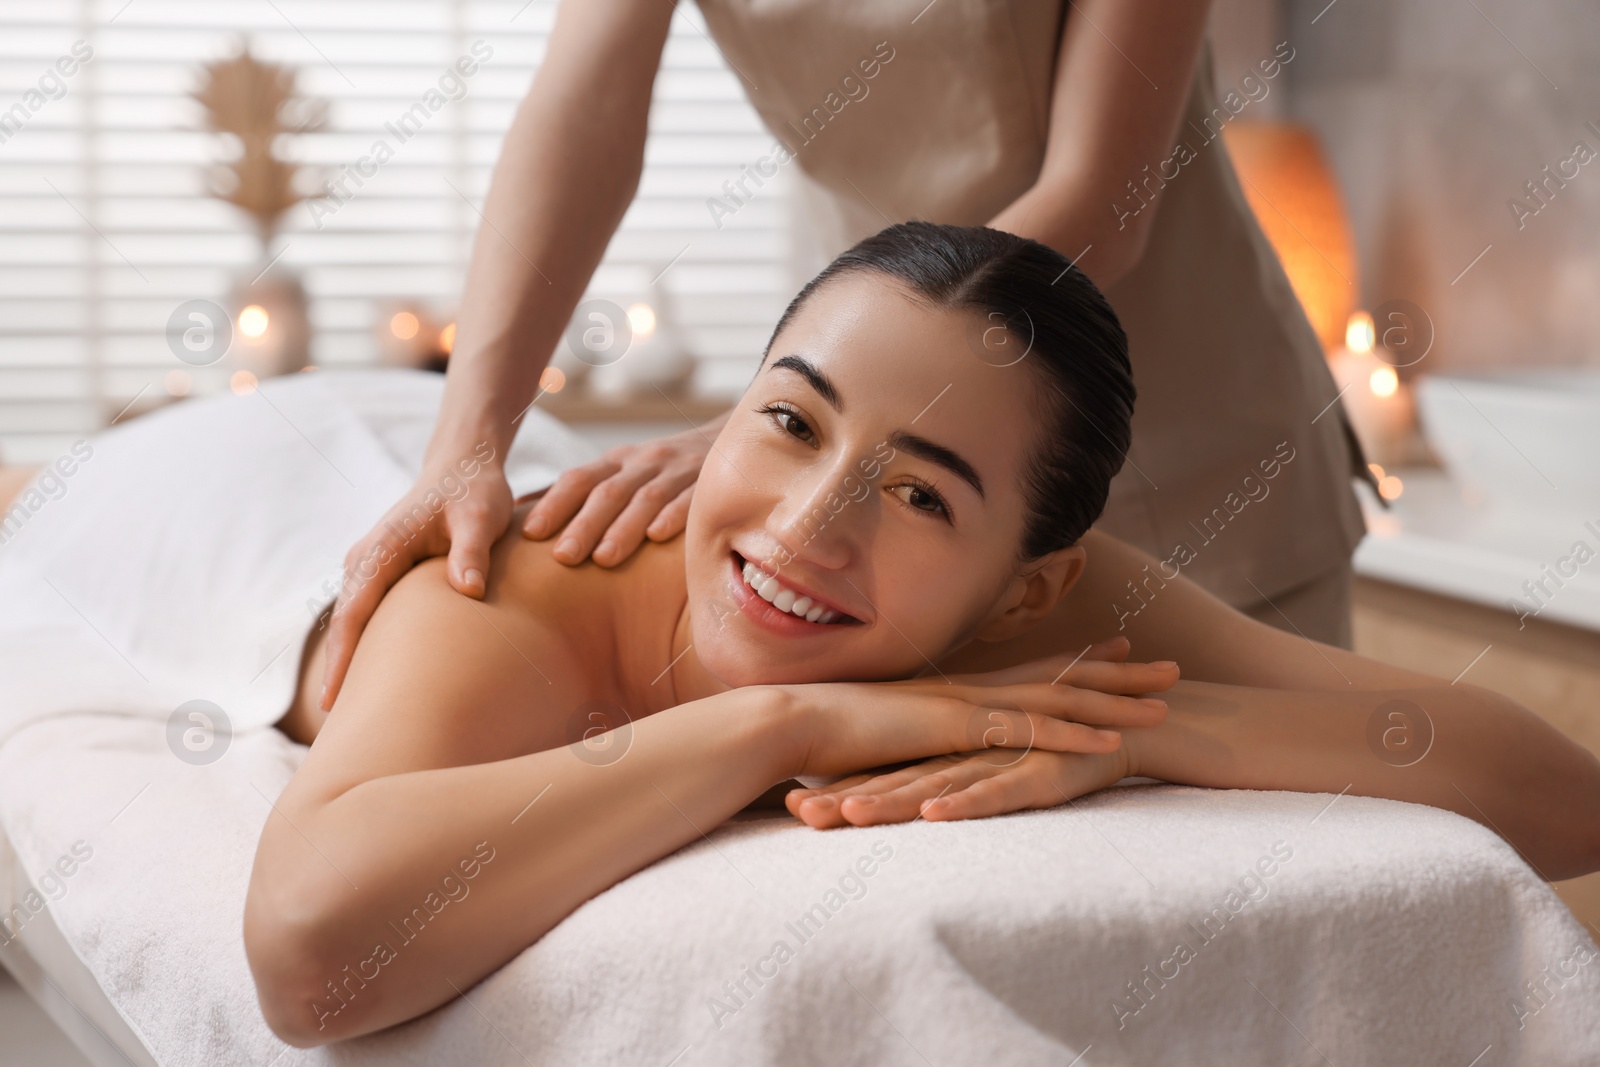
(1093, 127)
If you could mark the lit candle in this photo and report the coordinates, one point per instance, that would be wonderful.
(1379, 404)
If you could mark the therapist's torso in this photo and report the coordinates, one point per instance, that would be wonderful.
(941, 112)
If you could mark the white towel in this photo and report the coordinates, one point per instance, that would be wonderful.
(1391, 933)
(188, 556)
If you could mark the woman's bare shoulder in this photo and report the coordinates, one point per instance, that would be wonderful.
(441, 680)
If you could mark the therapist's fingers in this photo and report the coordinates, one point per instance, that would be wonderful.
(611, 524)
(415, 529)
(607, 501)
(371, 568)
(473, 533)
(627, 532)
(562, 501)
(673, 518)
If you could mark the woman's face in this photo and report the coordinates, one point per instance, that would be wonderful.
(871, 478)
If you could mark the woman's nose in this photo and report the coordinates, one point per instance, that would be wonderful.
(821, 519)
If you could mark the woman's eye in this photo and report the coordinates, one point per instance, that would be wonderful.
(920, 498)
(791, 423)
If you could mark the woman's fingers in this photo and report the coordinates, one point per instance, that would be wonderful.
(1113, 649)
(964, 788)
(1005, 730)
(861, 803)
(1066, 702)
(795, 797)
(1102, 665)
(981, 799)
(1124, 678)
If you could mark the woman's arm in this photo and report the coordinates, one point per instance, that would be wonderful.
(442, 822)
(1261, 708)
(1126, 592)
(1123, 71)
(380, 903)
(1458, 747)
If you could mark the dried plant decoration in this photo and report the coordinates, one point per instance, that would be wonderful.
(256, 103)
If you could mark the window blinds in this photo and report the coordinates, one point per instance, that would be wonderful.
(106, 227)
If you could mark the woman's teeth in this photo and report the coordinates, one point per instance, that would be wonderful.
(773, 592)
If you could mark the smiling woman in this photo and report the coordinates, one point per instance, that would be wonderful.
(760, 647)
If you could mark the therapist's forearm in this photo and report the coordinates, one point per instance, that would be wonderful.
(568, 169)
(1490, 759)
(1074, 221)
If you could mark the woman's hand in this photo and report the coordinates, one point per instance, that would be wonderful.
(963, 785)
(1052, 705)
(609, 506)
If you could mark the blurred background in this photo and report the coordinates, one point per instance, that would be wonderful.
(173, 166)
(181, 179)
(165, 151)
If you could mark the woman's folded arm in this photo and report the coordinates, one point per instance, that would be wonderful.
(408, 889)
(1459, 747)
(441, 824)
(443, 821)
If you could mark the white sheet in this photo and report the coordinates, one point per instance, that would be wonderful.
(1369, 932)
(1392, 934)
(189, 554)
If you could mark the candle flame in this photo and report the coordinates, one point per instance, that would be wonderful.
(1359, 333)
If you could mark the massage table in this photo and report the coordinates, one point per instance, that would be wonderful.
(1145, 924)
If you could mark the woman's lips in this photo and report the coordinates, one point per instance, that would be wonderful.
(765, 614)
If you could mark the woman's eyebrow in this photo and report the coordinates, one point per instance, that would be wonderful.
(819, 381)
(951, 461)
(920, 447)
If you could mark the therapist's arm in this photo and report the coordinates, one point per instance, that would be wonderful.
(568, 169)
(1123, 71)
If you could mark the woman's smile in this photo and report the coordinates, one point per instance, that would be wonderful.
(777, 605)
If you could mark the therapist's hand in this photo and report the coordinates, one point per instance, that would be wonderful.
(434, 518)
(631, 492)
(607, 508)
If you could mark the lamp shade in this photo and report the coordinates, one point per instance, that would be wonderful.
(1290, 187)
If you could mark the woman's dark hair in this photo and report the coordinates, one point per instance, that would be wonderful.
(1055, 320)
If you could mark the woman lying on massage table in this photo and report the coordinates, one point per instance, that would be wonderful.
(888, 561)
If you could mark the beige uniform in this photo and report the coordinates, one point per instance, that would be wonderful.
(1233, 478)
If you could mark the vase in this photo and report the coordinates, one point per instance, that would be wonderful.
(271, 323)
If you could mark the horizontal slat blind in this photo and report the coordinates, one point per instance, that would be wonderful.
(105, 225)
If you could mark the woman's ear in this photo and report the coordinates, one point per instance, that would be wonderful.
(1033, 594)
